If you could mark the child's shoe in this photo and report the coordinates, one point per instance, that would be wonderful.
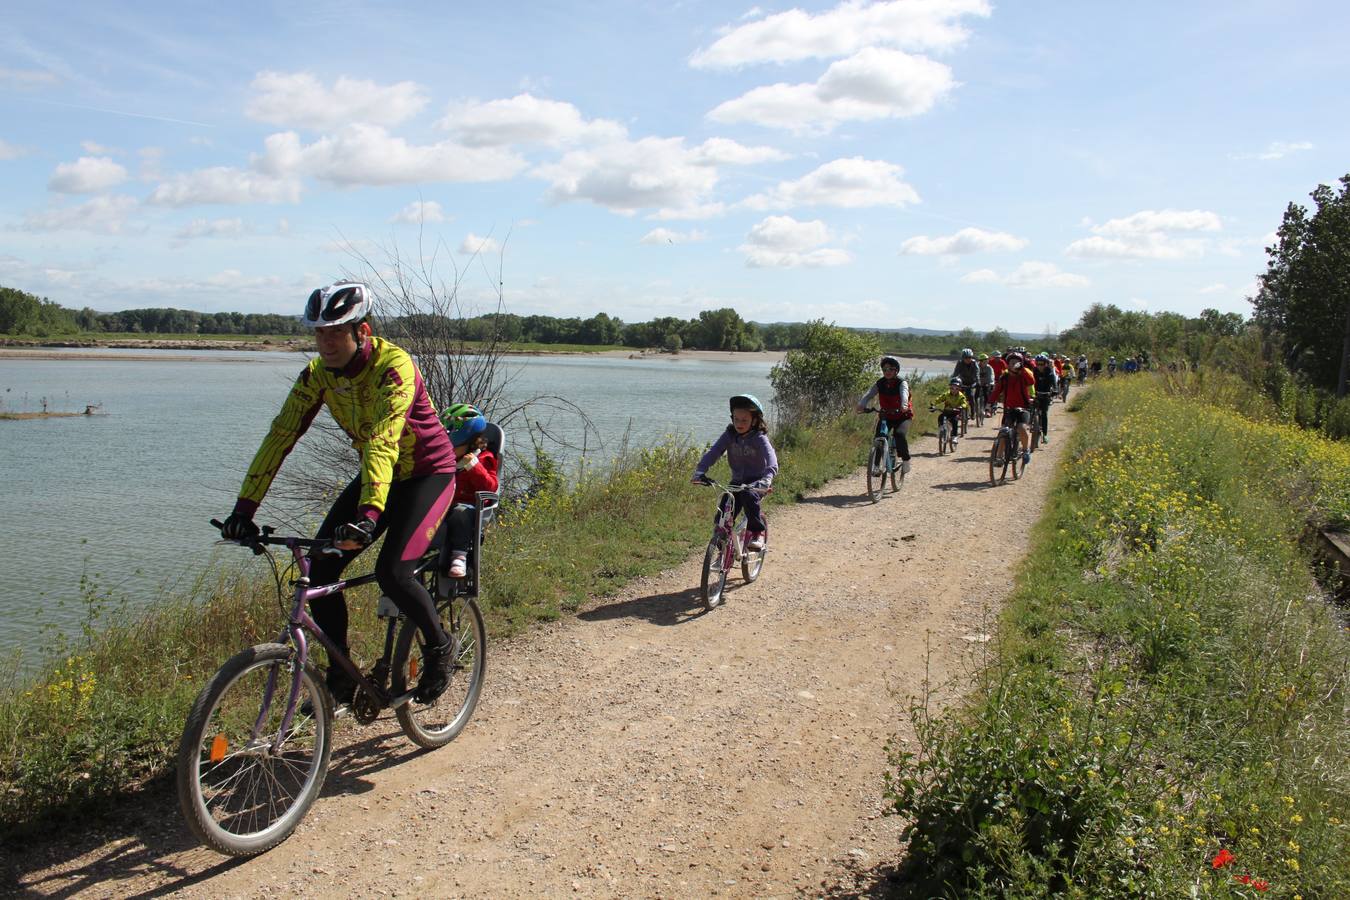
(459, 565)
(904, 467)
(754, 541)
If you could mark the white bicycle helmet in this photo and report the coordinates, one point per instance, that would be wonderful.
(337, 304)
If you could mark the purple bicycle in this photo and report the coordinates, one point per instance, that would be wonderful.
(256, 745)
(727, 547)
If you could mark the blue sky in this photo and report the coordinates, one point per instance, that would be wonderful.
(931, 163)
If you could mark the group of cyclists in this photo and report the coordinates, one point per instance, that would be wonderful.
(419, 469)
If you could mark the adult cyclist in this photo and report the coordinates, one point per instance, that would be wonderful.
(375, 392)
(1016, 388)
(968, 370)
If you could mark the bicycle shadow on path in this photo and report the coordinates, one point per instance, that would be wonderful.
(145, 834)
(671, 608)
(840, 501)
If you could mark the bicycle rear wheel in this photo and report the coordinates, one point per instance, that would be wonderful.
(876, 469)
(979, 412)
(439, 722)
(714, 572)
(239, 793)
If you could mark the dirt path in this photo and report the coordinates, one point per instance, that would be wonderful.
(647, 749)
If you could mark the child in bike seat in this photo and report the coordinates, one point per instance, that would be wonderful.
(952, 403)
(893, 400)
(477, 471)
(752, 460)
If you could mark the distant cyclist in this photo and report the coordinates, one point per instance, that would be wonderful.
(896, 408)
(1047, 385)
(987, 378)
(952, 403)
(375, 393)
(1017, 388)
(968, 370)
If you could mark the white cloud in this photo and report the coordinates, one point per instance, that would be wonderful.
(796, 35)
(224, 185)
(1147, 234)
(1276, 150)
(661, 173)
(298, 99)
(483, 246)
(369, 155)
(874, 83)
(666, 236)
(10, 151)
(420, 212)
(27, 78)
(687, 213)
(784, 242)
(211, 228)
(97, 149)
(1028, 275)
(967, 240)
(105, 214)
(87, 175)
(850, 183)
(525, 119)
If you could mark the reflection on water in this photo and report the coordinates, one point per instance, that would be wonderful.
(124, 497)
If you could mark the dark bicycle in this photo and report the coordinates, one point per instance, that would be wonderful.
(882, 462)
(1005, 457)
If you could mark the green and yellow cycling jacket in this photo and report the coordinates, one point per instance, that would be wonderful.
(380, 401)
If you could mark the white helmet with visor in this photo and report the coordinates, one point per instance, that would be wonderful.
(338, 304)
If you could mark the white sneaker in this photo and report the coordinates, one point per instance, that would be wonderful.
(459, 567)
(904, 467)
(756, 541)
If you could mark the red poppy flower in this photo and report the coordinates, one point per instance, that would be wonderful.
(1245, 879)
(1261, 884)
(1222, 858)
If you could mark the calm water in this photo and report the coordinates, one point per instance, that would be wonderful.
(123, 498)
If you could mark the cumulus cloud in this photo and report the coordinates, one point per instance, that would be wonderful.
(105, 214)
(211, 228)
(87, 175)
(1276, 150)
(660, 173)
(369, 155)
(224, 185)
(473, 244)
(420, 212)
(784, 242)
(666, 236)
(874, 83)
(850, 183)
(1028, 275)
(525, 119)
(797, 35)
(10, 151)
(967, 240)
(1148, 234)
(298, 99)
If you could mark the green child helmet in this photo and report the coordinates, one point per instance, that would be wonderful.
(747, 401)
(458, 414)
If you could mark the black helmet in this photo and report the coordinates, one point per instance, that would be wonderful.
(890, 361)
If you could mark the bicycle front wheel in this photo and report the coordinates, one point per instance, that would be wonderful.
(436, 724)
(944, 437)
(243, 785)
(714, 573)
(876, 469)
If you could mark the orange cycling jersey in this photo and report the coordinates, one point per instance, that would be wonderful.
(379, 400)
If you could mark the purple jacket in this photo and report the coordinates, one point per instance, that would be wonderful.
(750, 456)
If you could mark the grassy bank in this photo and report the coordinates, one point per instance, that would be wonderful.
(1164, 714)
(107, 717)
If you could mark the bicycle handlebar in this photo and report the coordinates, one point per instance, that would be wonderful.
(730, 488)
(264, 537)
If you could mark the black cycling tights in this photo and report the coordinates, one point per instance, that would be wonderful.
(413, 510)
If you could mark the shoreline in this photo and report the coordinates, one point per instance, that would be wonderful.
(85, 350)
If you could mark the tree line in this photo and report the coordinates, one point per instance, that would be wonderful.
(22, 313)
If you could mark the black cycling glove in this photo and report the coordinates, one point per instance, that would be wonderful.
(362, 532)
(238, 526)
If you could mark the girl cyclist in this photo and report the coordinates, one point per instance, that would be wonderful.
(752, 460)
(374, 391)
(892, 395)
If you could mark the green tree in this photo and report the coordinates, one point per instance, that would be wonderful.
(826, 374)
(1303, 304)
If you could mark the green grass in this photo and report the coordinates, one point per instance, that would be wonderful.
(1168, 681)
(106, 716)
